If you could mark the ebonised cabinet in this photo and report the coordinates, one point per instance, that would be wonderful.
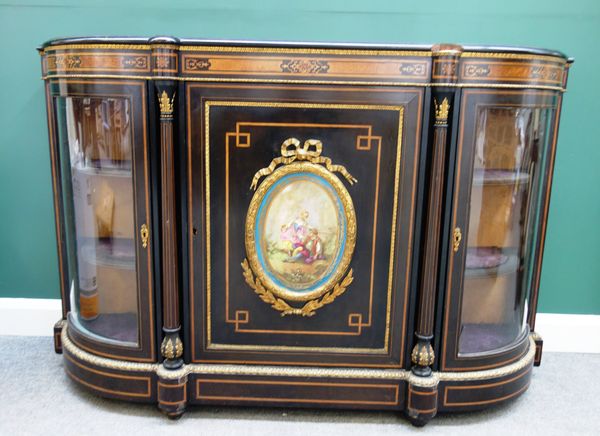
(311, 225)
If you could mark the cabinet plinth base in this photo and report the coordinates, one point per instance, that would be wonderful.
(420, 398)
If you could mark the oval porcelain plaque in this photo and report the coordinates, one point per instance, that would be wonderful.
(300, 231)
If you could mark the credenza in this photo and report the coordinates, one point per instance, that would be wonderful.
(298, 224)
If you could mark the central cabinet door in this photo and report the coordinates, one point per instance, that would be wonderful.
(300, 209)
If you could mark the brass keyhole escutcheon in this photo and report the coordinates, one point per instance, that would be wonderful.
(457, 237)
(144, 233)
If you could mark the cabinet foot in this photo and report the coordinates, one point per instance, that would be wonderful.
(539, 345)
(418, 421)
(172, 396)
(421, 404)
(57, 332)
(175, 416)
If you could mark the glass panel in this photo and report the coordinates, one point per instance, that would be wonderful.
(95, 153)
(510, 154)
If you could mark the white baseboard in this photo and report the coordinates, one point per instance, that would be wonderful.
(561, 333)
(29, 316)
(569, 333)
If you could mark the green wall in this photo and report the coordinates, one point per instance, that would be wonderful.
(571, 271)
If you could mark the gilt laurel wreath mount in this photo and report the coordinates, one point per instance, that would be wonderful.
(299, 160)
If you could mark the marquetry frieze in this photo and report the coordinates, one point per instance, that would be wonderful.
(95, 62)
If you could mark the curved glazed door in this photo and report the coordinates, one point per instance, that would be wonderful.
(101, 172)
(301, 215)
(505, 147)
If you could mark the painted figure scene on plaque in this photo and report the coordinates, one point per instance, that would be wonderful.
(303, 231)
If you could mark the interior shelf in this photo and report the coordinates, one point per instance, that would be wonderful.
(477, 338)
(116, 253)
(113, 327)
(499, 177)
(104, 170)
(490, 262)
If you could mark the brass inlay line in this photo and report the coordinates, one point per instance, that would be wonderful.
(105, 76)
(486, 386)
(240, 49)
(394, 388)
(393, 235)
(207, 243)
(101, 46)
(530, 57)
(400, 109)
(354, 319)
(240, 124)
(192, 224)
(300, 50)
(306, 81)
(214, 346)
(446, 52)
(107, 374)
(101, 389)
(302, 364)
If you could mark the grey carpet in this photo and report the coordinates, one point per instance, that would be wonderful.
(37, 398)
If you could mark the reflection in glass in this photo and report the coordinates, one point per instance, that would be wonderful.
(505, 195)
(96, 159)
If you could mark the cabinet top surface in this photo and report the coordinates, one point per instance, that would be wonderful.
(426, 49)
